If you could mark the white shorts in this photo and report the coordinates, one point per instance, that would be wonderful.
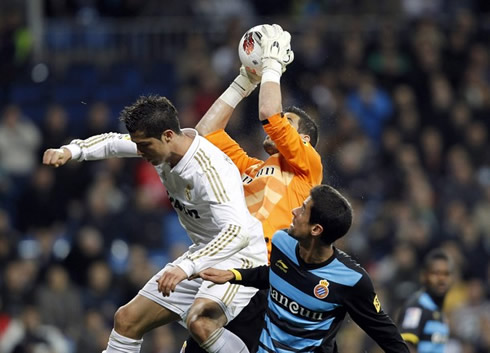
(232, 298)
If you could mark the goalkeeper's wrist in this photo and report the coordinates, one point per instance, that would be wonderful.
(272, 71)
(240, 88)
(231, 97)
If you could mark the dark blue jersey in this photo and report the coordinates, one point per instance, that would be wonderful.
(307, 302)
(423, 324)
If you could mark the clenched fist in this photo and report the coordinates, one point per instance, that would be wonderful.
(56, 156)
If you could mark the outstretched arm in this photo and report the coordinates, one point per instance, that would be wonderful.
(56, 157)
(216, 118)
(277, 54)
(219, 114)
(96, 147)
(365, 309)
(257, 277)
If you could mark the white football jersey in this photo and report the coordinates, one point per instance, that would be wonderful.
(205, 189)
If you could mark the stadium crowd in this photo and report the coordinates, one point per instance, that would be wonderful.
(404, 114)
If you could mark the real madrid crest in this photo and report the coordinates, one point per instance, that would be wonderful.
(187, 192)
(321, 289)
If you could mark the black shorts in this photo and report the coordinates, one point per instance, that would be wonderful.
(247, 325)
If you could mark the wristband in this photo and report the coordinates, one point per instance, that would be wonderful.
(272, 71)
(238, 275)
(270, 75)
(231, 97)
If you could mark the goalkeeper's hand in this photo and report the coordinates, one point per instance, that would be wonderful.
(240, 88)
(245, 82)
(276, 47)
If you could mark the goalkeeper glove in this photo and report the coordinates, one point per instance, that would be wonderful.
(277, 53)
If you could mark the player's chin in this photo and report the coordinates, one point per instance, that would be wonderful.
(270, 147)
(442, 290)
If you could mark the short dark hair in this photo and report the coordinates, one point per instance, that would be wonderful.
(332, 211)
(306, 125)
(151, 115)
(434, 255)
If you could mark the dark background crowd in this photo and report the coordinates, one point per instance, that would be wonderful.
(400, 89)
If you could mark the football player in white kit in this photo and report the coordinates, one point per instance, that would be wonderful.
(205, 188)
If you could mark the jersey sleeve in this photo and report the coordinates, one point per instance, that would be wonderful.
(102, 146)
(233, 150)
(257, 277)
(363, 306)
(300, 155)
(220, 186)
(228, 242)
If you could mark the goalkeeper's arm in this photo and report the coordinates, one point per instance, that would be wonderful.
(219, 113)
(277, 54)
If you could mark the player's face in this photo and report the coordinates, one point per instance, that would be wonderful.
(154, 150)
(300, 227)
(269, 145)
(438, 277)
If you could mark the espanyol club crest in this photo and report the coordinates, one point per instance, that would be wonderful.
(321, 289)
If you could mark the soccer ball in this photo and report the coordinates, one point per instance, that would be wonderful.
(250, 51)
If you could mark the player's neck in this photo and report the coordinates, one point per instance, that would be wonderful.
(314, 253)
(181, 145)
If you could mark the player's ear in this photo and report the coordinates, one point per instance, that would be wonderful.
(167, 135)
(306, 138)
(316, 230)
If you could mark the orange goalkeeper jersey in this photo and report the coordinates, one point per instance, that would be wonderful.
(275, 186)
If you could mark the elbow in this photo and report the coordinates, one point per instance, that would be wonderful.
(202, 129)
(266, 111)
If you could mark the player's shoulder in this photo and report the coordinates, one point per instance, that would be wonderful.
(349, 262)
(349, 272)
(209, 157)
(284, 242)
(281, 237)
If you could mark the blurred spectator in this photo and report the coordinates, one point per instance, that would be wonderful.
(104, 205)
(371, 105)
(15, 47)
(100, 294)
(9, 238)
(470, 321)
(29, 334)
(17, 287)
(55, 127)
(421, 321)
(99, 121)
(19, 143)
(59, 302)
(35, 206)
(477, 143)
(144, 220)
(94, 334)
(480, 215)
(87, 249)
(387, 61)
(432, 153)
(460, 183)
